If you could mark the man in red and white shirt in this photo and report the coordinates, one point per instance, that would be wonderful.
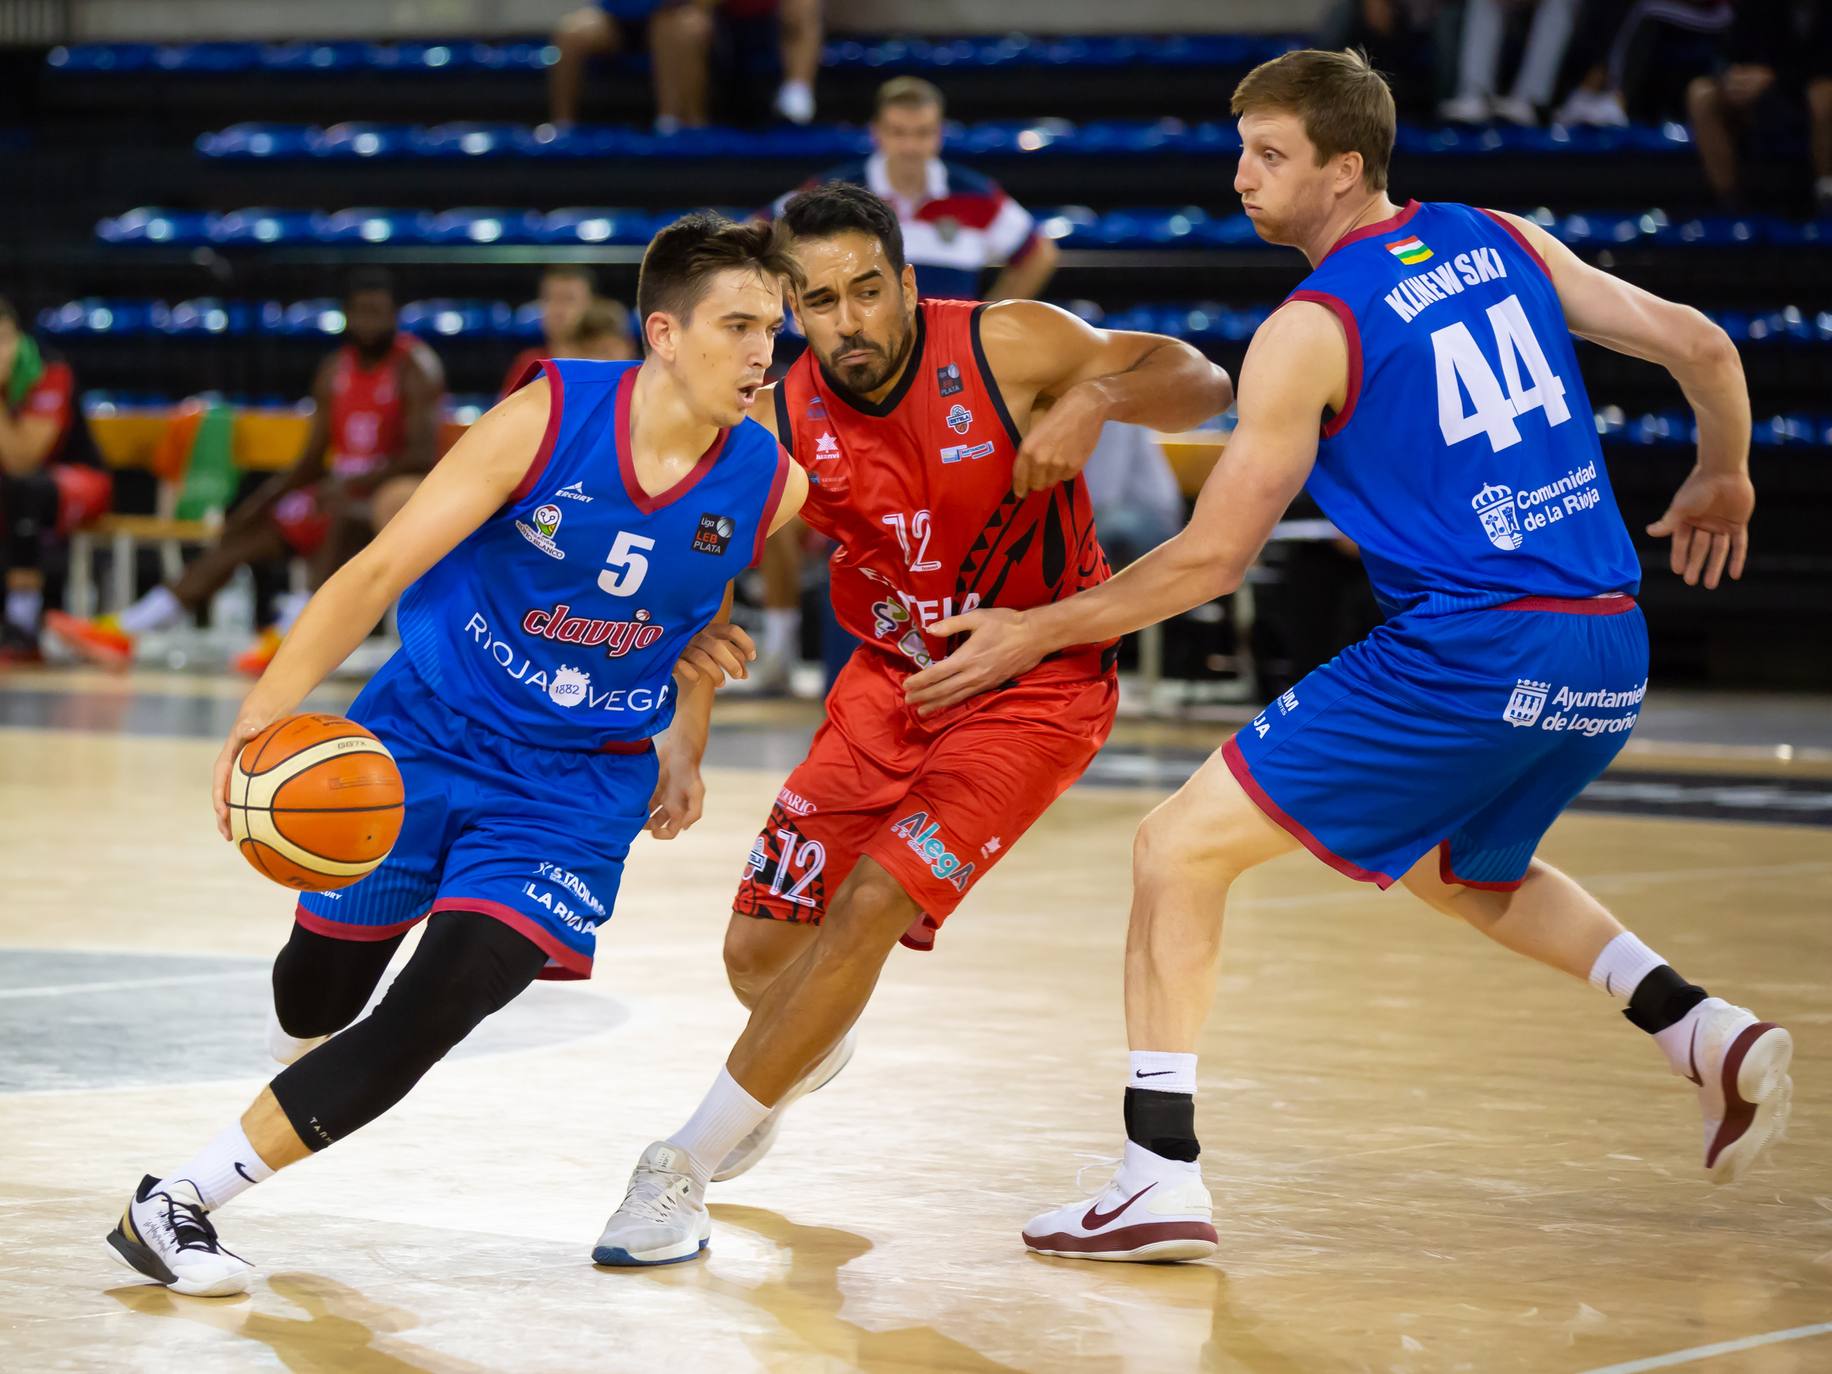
(37, 408)
(956, 223)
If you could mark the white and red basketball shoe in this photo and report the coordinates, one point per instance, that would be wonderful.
(1153, 1209)
(1740, 1065)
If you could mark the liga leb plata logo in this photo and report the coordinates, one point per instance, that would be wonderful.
(714, 534)
(948, 379)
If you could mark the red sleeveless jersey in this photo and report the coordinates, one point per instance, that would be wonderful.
(917, 491)
(368, 426)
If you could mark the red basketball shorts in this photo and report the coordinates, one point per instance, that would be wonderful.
(935, 802)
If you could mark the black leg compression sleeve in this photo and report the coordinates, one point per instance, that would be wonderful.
(1662, 999)
(321, 983)
(466, 967)
(1164, 1123)
(28, 511)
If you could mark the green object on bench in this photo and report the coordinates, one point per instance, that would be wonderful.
(210, 477)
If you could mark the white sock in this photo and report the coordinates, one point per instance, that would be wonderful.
(781, 634)
(724, 1117)
(224, 1169)
(1142, 1164)
(287, 607)
(23, 605)
(1619, 969)
(1159, 1072)
(154, 611)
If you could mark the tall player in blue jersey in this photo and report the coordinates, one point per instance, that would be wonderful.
(1423, 383)
(555, 572)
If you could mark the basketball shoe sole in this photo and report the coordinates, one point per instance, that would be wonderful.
(1747, 1095)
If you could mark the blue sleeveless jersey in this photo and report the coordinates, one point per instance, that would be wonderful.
(1465, 461)
(559, 620)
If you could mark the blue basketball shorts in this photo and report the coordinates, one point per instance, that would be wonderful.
(1467, 732)
(534, 837)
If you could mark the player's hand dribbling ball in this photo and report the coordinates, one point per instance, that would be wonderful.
(315, 802)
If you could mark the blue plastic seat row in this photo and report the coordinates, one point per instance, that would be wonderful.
(827, 142)
(1071, 226)
(1198, 322)
(211, 318)
(535, 55)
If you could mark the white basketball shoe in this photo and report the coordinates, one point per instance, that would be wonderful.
(166, 1234)
(1147, 1212)
(1740, 1065)
(663, 1217)
(757, 1144)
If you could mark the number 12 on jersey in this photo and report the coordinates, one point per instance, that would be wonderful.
(1462, 368)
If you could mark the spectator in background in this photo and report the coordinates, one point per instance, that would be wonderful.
(681, 35)
(1773, 53)
(37, 411)
(566, 293)
(1650, 49)
(1411, 42)
(1137, 502)
(1484, 31)
(956, 223)
(373, 436)
(605, 334)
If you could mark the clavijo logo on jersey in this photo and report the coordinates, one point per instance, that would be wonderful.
(619, 637)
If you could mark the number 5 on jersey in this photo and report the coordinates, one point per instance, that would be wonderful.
(1462, 368)
(625, 566)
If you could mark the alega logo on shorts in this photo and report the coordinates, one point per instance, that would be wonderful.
(921, 834)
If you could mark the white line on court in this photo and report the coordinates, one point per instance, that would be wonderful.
(125, 985)
(1705, 1352)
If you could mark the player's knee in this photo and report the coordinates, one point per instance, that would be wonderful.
(755, 951)
(865, 920)
(683, 26)
(1173, 838)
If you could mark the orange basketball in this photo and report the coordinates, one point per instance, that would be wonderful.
(315, 802)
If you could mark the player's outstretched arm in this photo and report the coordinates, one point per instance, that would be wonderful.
(1296, 367)
(462, 492)
(1708, 519)
(1080, 377)
(715, 654)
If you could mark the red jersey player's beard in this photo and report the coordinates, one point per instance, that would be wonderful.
(863, 378)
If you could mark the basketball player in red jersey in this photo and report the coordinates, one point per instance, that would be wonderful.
(373, 437)
(943, 444)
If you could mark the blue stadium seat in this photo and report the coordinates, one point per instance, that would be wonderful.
(1056, 137)
(366, 224)
(162, 228)
(99, 318)
(207, 317)
(598, 226)
(485, 226)
(303, 319)
(240, 228)
(455, 318)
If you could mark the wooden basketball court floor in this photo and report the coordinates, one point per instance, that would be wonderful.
(1426, 1155)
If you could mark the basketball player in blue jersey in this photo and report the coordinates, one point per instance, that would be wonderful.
(566, 564)
(1422, 381)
